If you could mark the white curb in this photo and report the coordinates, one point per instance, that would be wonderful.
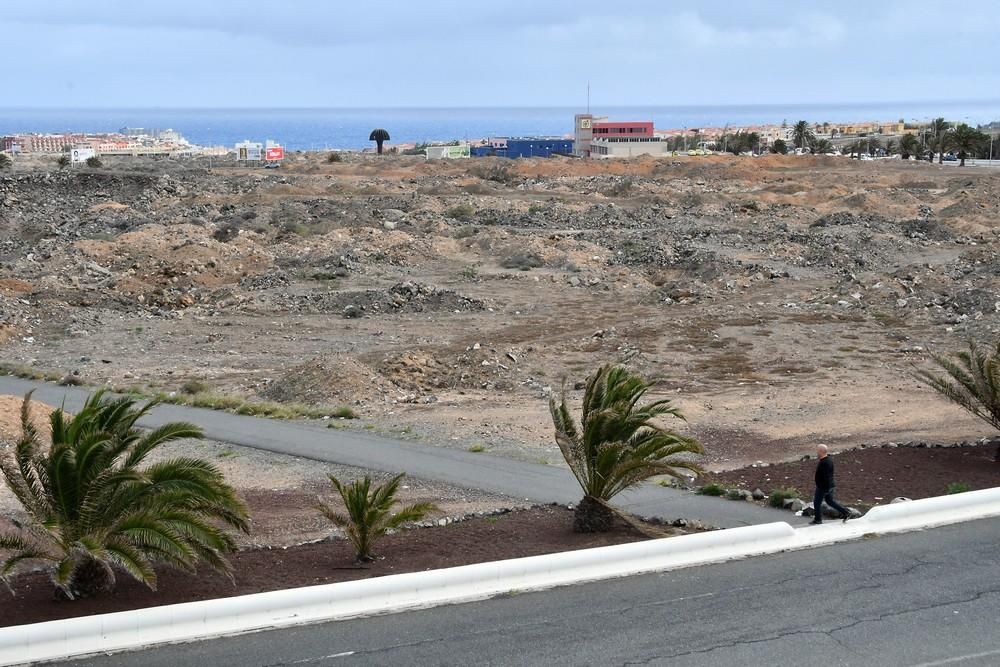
(228, 616)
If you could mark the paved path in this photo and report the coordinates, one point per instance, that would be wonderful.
(924, 599)
(532, 481)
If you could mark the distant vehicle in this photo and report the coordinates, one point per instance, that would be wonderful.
(950, 158)
(272, 165)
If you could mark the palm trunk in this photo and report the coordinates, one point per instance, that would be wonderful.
(89, 579)
(592, 516)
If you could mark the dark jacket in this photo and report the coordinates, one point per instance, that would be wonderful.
(824, 474)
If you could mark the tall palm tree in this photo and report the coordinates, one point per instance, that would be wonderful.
(971, 380)
(939, 129)
(617, 445)
(966, 140)
(94, 508)
(369, 512)
(379, 136)
(801, 135)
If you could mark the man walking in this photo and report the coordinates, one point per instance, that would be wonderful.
(824, 487)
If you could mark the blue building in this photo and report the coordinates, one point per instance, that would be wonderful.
(515, 147)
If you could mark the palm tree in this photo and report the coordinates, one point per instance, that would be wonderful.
(379, 136)
(908, 145)
(891, 147)
(801, 136)
(939, 129)
(369, 512)
(971, 381)
(5, 161)
(822, 147)
(966, 140)
(93, 509)
(616, 445)
(63, 161)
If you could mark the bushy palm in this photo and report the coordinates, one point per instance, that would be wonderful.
(369, 512)
(5, 161)
(971, 381)
(802, 136)
(908, 145)
(967, 140)
(822, 147)
(617, 445)
(94, 508)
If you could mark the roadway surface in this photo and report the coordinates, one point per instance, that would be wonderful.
(926, 599)
(531, 481)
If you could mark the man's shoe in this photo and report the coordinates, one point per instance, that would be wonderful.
(846, 517)
(815, 523)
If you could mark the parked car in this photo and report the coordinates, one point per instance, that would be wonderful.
(950, 158)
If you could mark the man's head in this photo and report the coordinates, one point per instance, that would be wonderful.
(822, 451)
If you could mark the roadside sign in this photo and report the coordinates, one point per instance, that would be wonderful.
(81, 154)
(274, 153)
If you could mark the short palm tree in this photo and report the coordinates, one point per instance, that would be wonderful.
(908, 145)
(369, 512)
(617, 445)
(822, 147)
(95, 508)
(971, 380)
(966, 140)
(5, 161)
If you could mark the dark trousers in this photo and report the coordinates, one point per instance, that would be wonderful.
(827, 495)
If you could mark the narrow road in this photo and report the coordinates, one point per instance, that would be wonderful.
(925, 599)
(535, 482)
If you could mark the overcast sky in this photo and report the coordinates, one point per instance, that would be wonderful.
(379, 53)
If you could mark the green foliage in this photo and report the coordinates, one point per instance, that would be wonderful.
(63, 161)
(971, 380)
(802, 136)
(822, 147)
(194, 387)
(498, 171)
(94, 162)
(95, 508)
(957, 487)
(524, 261)
(712, 489)
(344, 412)
(463, 212)
(617, 444)
(967, 141)
(334, 157)
(477, 448)
(369, 512)
(740, 142)
(734, 494)
(780, 495)
(908, 145)
(779, 146)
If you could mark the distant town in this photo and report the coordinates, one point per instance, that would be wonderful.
(592, 137)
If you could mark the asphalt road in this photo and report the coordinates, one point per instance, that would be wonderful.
(532, 481)
(926, 599)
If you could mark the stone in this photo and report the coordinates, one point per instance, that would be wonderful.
(758, 494)
(797, 505)
(352, 311)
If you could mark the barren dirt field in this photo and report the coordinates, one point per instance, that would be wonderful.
(780, 301)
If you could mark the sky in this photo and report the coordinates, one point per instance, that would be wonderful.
(469, 53)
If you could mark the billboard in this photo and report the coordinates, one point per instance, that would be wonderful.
(274, 153)
(248, 150)
(447, 152)
(81, 154)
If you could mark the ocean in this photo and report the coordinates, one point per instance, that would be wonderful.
(319, 129)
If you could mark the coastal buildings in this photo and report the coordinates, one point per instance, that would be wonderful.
(515, 147)
(596, 136)
(165, 142)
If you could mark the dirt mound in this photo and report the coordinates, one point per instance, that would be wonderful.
(10, 417)
(333, 380)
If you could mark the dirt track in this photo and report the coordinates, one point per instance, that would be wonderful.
(780, 300)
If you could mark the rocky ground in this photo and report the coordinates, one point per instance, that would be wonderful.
(779, 300)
